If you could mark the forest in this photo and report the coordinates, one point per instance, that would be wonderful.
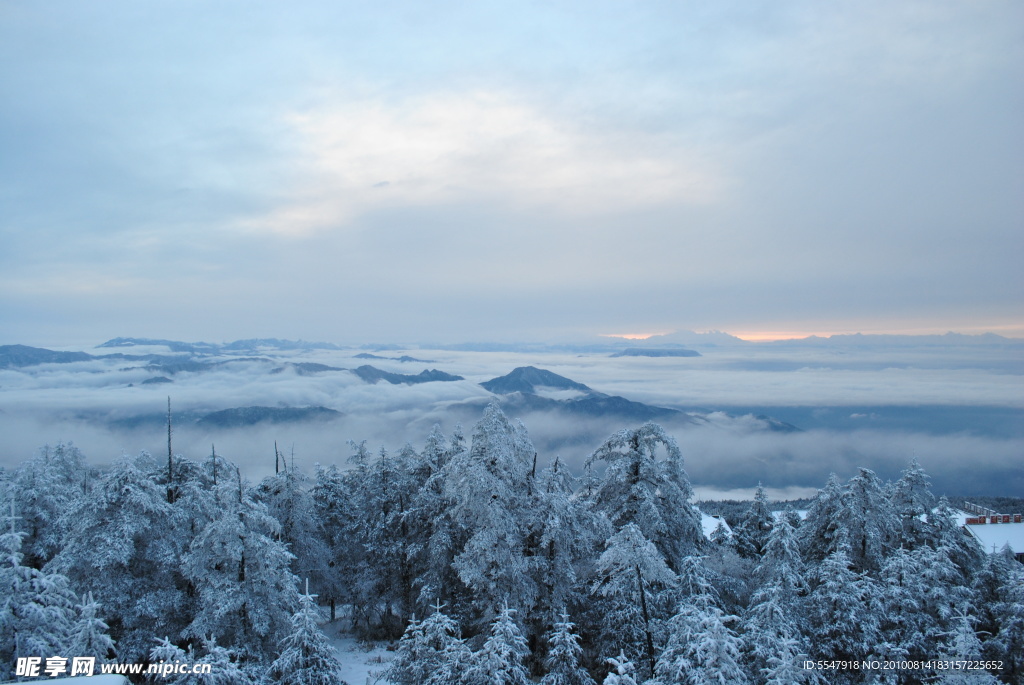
(479, 561)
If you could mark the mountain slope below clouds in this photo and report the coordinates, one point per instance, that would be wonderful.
(372, 374)
(527, 379)
(20, 356)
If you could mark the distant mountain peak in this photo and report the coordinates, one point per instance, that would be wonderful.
(526, 379)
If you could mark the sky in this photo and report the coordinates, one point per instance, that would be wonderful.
(446, 171)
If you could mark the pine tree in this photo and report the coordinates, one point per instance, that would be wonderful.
(622, 671)
(755, 527)
(701, 647)
(90, 634)
(962, 644)
(568, 534)
(500, 661)
(489, 490)
(289, 500)
(564, 651)
(650, 493)
(124, 545)
(632, 582)
(870, 522)
(822, 532)
(430, 649)
(307, 658)
(246, 591)
(36, 608)
(912, 500)
(46, 488)
(843, 611)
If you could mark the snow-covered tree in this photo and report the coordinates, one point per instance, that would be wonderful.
(633, 584)
(871, 524)
(37, 609)
(564, 652)
(89, 635)
(489, 491)
(999, 592)
(653, 494)
(822, 532)
(843, 611)
(962, 644)
(334, 510)
(501, 660)
(622, 673)
(124, 546)
(567, 534)
(241, 575)
(781, 563)
(912, 501)
(307, 657)
(701, 648)
(755, 527)
(289, 500)
(430, 649)
(785, 665)
(46, 487)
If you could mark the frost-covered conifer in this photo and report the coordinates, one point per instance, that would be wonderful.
(822, 531)
(781, 563)
(632, 582)
(46, 488)
(622, 673)
(500, 661)
(489, 490)
(999, 591)
(870, 522)
(429, 648)
(568, 534)
(843, 611)
(962, 644)
(306, 658)
(653, 494)
(124, 547)
(289, 500)
(334, 510)
(785, 665)
(90, 637)
(246, 591)
(563, 661)
(755, 527)
(701, 647)
(37, 608)
(912, 500)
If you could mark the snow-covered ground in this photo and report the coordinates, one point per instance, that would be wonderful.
(360, 664)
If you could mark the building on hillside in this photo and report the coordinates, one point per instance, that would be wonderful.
(709, 522)
(993, 530)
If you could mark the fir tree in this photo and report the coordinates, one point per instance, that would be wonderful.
(430, 649)
(124, 546)
(500, 661)
(650, 493)
(90, 634)
(622, 673)
(633, 581)
(701, 648)
(307, 658)
(36, 608)
(563, 661)
(755, 527)
(246, 591)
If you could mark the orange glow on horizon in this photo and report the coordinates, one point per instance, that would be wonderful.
(630, 336)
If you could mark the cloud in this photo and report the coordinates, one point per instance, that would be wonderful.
(73, 402)
(449, 148)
